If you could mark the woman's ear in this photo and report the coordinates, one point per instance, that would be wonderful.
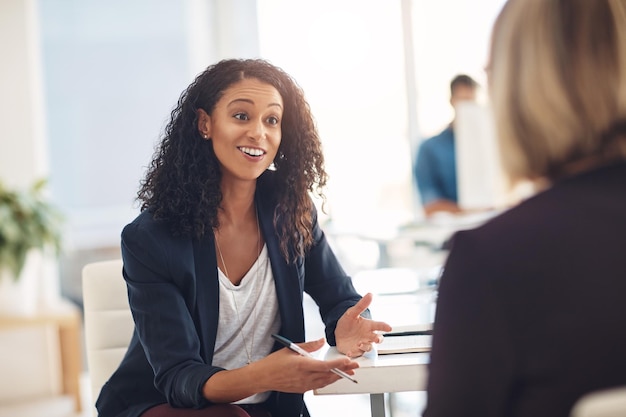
(204, 124)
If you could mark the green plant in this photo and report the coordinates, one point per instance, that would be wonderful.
(27, 221)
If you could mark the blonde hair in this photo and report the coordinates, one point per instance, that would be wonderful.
(557, 81)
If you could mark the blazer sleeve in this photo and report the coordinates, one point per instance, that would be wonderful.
(159, 273)
(327, 283)
(473, 356)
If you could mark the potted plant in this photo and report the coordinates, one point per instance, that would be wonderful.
(27, 222)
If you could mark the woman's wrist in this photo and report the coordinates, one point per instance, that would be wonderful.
(233, 385)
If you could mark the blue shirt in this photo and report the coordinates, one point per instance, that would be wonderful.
(435, 168)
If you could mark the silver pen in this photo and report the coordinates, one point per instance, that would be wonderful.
(288, 343)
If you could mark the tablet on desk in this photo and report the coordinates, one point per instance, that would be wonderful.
(404, 343)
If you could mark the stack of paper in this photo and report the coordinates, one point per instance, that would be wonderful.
(404, 343)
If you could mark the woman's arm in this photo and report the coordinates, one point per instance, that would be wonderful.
(344, 312)
(327, 283)
(159, 274)
(283, 371)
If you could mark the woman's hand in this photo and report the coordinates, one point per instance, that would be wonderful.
(283, 370)
(292, 372)
(356, 334)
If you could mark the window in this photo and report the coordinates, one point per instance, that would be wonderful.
(348, 57)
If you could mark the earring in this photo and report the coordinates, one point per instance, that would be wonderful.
(205, 136)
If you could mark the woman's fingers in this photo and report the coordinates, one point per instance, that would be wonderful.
(362, 305)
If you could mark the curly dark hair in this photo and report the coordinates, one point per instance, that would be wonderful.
(182, 183)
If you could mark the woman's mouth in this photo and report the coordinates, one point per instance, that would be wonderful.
(251, 151)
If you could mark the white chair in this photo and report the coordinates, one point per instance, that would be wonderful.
(108, 321)
(604, 403)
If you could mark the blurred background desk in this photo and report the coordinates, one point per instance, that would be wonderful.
(419, 244)
(60, 325)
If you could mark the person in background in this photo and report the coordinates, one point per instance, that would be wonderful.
(221, 253)
(532, 305)
(435, 164)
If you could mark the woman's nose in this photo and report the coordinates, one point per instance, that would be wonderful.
(257, 130)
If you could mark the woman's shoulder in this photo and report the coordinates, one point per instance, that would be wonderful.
(153, 242)
(557, 204)
(541, 217)
(145, 222)
(146, 227)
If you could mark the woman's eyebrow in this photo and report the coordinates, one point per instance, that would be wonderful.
(247, 100)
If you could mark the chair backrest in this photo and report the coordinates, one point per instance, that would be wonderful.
(604, 403)
(108, 321)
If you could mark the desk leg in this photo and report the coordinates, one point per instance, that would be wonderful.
(377, 403)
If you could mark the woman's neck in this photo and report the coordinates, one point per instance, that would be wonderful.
(237, 205)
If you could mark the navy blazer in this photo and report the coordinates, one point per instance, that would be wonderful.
(173, 293)
(531, 312)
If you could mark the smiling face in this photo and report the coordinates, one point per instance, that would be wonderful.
(245, 128)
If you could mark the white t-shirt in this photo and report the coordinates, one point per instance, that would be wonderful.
(248, 316)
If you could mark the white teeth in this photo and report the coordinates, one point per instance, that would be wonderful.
(251, 151)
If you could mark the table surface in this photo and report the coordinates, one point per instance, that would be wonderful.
(380, 373)
(62, 311)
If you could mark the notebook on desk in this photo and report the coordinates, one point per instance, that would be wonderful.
(414, 328)
(404, 343)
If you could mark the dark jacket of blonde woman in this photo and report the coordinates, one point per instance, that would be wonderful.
(532, 305)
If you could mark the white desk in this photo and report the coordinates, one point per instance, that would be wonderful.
(380, 374)
(66, 318)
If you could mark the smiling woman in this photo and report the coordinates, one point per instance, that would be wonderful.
(222, 252)
(244, 129)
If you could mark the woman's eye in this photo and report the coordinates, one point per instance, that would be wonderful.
(241, 116)
(272, 120)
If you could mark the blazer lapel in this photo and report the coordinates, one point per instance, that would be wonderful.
(288, 286)
(206, 313)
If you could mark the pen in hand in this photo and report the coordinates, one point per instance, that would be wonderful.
(288, 343)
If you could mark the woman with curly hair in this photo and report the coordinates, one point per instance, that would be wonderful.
(217, 261)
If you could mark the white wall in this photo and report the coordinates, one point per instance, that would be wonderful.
(23, 142)
(114, 70)
(23, 156)
(450, 37)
